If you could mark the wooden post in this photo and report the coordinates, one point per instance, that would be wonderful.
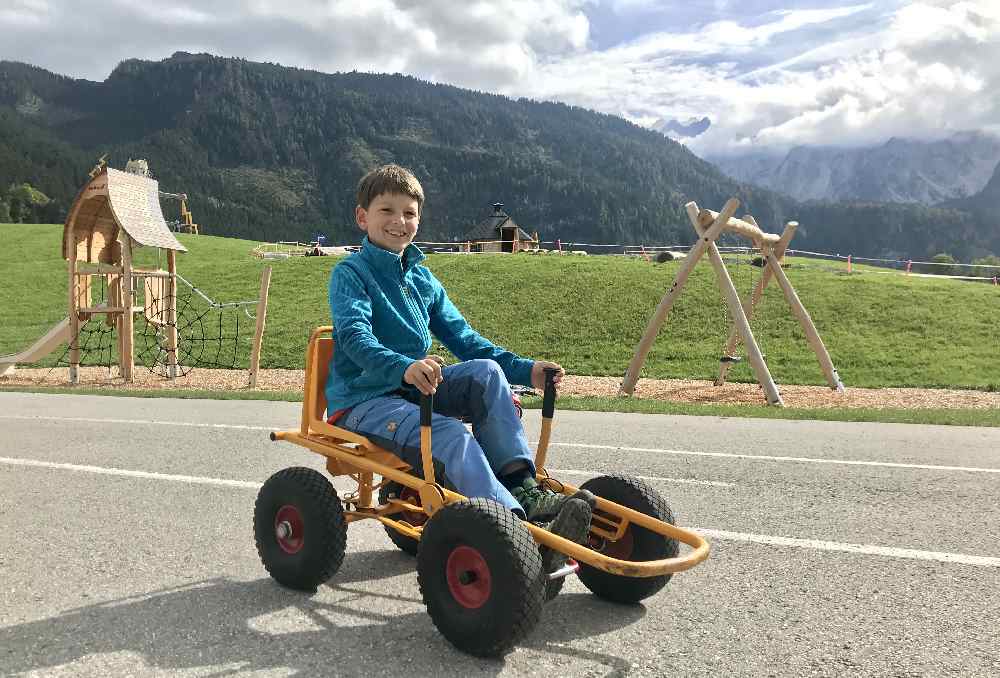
(832, 378)
(848, 263)
(127, 357)
(756, 296)
(258, 336)
(660, 315)
(739, 317)
(74, 317)
(170, 299)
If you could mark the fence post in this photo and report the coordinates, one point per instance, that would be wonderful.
(909, 265)
(848, 263)
(995, 281)
(258, 335)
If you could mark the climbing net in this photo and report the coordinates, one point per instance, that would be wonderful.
(210, 334)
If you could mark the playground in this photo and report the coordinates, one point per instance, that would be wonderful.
(899, 341)
(119, 312)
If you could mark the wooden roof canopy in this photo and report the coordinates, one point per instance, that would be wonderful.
(110, 202)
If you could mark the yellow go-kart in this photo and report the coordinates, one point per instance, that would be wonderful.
(479, 567)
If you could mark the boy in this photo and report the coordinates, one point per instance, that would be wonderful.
(385, 307)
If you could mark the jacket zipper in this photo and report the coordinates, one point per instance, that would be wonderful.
(410, 304)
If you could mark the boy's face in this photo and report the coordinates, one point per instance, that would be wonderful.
(390, 221)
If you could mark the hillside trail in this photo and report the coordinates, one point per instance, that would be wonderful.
(672, 390)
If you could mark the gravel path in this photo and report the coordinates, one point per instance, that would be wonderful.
(675, 390)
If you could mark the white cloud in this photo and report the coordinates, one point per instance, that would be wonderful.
(850, 74)
(925, 70)
(480, 44)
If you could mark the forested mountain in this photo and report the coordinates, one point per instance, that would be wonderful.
(985, 207)
(273, 153)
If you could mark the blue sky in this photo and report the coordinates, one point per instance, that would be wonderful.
(769, 75)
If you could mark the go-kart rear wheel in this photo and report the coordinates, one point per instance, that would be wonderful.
(638, 543)
(299, 528)
(393, 489)
(480, 575)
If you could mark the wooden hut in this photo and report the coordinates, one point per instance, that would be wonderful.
(498, 233)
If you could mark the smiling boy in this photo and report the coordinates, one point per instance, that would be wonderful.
(385, 306)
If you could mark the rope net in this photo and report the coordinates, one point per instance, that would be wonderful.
(210, 335)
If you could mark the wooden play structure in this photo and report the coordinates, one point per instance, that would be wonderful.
(114, 213)
(186, 223)
(709, 226)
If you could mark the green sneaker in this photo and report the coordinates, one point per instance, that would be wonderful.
(572, 523)
(541, 504)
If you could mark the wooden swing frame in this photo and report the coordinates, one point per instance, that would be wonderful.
(709, 226)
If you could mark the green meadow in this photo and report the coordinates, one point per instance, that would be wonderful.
(586, 312)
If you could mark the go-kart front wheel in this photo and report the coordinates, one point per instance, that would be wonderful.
(637, 543)
(299, 527)
(480, 575)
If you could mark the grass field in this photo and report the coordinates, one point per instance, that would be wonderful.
(586, 312)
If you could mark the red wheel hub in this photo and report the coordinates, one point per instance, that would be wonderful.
(289, 529)
(621, 549)
(468, 577)
(411, 496)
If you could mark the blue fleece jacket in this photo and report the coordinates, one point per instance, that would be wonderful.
(385, 307)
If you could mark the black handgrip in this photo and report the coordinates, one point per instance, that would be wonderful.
(549, 397)
(426, 409)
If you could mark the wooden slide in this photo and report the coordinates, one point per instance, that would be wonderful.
(59, 334)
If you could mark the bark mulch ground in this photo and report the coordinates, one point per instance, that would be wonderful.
(674, 390)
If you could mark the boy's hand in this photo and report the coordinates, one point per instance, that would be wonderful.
(538, 373)
(424, 374)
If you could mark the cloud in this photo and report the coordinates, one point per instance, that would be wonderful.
(484, 44)
(849, 75)
(928, 74)
(766, 75)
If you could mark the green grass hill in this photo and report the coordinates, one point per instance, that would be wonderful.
(587, 312)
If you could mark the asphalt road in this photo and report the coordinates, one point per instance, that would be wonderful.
(837, 549)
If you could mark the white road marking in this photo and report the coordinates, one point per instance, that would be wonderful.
(146, 475)
(722, 535)
(683, 481)
(143, 422)
(588, 446)
(767, 457)
(865, 549)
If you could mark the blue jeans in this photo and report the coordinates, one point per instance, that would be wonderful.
(476, 389)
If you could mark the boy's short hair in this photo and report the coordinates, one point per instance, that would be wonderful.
(389, 179)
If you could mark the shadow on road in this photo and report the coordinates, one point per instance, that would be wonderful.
(344, 629)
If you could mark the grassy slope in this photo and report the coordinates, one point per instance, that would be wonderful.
(587, 312)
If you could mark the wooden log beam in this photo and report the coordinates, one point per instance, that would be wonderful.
(743, 228)
(170, 298)
(258, 335)
(812, 335)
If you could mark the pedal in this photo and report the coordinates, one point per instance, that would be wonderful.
(571, 567)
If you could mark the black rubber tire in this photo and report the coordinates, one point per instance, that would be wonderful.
(513, 604)
(637, 495)
(405, 544)
(324, 533)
